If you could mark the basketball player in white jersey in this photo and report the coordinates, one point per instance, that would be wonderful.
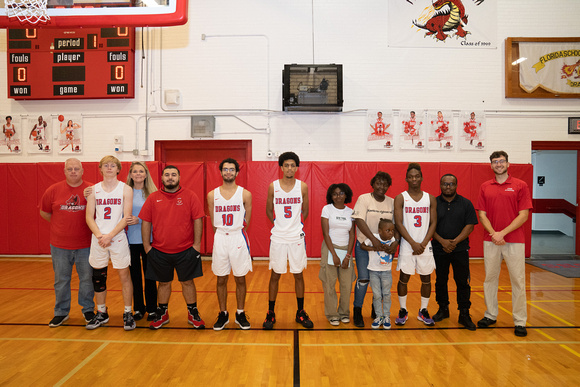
(286, 206)
(416, 219)
(230, 209)
(108, 206)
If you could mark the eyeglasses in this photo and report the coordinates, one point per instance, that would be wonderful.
(338, 193)
(448, 184)
(496, 162)
(229, 170)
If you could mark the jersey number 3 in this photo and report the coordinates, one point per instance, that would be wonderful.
(418, 221)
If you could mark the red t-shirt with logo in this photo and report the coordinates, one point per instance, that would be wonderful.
(502, 204)
(171, 215)
(67, 205)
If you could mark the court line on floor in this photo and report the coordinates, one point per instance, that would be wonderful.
(460, 343)
(564, 346)
(81, 365)
(561, 345)
(196, 343)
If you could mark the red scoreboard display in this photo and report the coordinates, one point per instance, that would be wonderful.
(71, 64)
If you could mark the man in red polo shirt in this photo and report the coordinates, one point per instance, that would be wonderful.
(504, 204)
(175, 215)
(64, 205)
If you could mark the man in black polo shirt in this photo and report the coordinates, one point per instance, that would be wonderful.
(455, 221)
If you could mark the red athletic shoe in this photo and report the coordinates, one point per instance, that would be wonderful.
(161, 318)
(195, 319)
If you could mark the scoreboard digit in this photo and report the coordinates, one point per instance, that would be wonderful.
(71, 63)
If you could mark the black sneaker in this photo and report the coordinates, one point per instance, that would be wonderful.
(151, 316)
(99, 319)
(222, 321)
(138, 316)
(357, 317)
(485, 322)
(270, 320)
(242, 320)
(89, 316)
(465, 320)
(441, 314)
(520, 331)
(302, 318)
(128, 321)
(57, 321)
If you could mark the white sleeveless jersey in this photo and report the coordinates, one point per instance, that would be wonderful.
(229, 215)
(287, 214)
(108, 207)
(416, 218)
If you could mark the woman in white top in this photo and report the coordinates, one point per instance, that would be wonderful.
(335, 261)
(140, 180)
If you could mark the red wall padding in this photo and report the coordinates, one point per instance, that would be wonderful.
(27, 232)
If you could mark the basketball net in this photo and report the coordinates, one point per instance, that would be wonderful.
(28, 11)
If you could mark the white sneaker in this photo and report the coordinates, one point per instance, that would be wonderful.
(386, 322)
(377, 323)
(345, 319)
(334, 321)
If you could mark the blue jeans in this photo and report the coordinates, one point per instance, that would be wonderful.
(360, 289)
(62, 263)
(381, 282)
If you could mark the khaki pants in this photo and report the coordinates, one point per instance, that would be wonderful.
(328, 275)
(514, 256)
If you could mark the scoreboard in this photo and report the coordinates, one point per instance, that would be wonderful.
(71, 63)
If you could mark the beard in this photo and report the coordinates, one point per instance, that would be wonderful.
(171, 186)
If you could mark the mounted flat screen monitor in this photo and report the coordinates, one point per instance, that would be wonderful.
(312, 87)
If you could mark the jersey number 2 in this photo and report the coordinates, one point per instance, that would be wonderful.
(107, 213)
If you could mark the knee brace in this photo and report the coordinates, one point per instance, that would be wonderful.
(403, 282)
(100, 280)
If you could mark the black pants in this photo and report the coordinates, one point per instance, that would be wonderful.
(459, 260)
(138, 254)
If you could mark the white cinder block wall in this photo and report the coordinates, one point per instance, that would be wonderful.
(235, 73)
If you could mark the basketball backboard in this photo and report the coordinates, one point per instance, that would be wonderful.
(99, 13)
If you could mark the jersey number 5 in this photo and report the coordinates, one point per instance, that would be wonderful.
(287, 212)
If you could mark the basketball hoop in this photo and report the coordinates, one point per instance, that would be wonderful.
(28, 11)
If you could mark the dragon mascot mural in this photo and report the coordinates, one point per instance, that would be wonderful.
(443, 17)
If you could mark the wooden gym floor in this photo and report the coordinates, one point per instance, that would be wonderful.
(31, 353)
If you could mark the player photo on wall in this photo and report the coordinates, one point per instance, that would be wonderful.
(440, 130)
(39, 137)
(70, 136)
(411, 135)
(472, 132)
(379, 129)
(10, 141)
